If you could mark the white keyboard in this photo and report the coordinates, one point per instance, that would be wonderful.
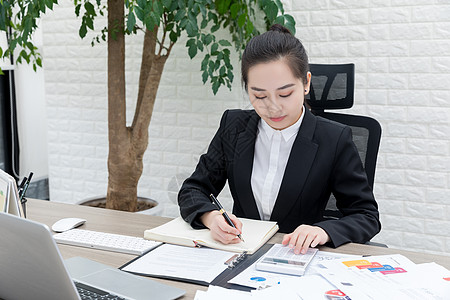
(105, 241)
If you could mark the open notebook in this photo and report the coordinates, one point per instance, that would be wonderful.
(255, 233)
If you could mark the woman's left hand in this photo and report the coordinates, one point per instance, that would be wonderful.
(305, 236)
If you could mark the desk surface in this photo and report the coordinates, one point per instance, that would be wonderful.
(134, 224)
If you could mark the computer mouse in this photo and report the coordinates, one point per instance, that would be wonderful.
(67, 224)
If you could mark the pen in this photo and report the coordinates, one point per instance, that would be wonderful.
(20, 188)
(224, 213)
(25, 187)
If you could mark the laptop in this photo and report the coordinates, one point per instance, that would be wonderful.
(32, 268)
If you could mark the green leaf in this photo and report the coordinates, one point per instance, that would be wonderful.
(190, 42)
(234, 9)
(83, 30)
(215, 86)
(204, 64)
(230, 76)
(215, 28)
(49, 4)
(192, 51)
(203, 24)
(158, 8)
(210, 68)
(89, 8)
(241, 20)
(290, 23)
(208, 39)
(155, 19)
(279, 6)
(249, 27)
(90, 23)
(180, 14)
(222, 6)
(204, 76)
(131, 21)
(169, 27)
(173, 36)
(225, 43)
(214, 48)
(190, 29)
(271, 11)
(139, 13)
(222, 71)
(279, 20)
(200, 45)
(167, 3)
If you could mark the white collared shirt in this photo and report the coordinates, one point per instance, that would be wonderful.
(272, 149)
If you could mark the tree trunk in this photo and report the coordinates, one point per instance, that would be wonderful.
(127, 145)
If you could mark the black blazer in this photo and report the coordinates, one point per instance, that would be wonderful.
(323, 160)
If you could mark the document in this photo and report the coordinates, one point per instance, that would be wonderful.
(387, 277)
(255, 233)
(251, 277)
(178, 262)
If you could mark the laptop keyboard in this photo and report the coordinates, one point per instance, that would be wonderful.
(105, 241)
(87, 292)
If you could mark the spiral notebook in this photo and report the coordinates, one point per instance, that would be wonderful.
(203, 266)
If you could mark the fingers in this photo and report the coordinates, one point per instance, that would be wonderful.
(305, 236)
(286, 239)
(236, 222)
(221, 231)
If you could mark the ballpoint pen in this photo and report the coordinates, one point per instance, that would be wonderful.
(224, 214)
(25, 187)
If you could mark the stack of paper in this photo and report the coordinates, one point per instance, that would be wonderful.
(388, 277)
(341, 276)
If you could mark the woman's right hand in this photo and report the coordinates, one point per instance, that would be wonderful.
(220, 230)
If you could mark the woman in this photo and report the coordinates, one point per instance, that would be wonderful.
(281, 162)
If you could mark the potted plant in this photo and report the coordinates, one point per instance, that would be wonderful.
(162, 22)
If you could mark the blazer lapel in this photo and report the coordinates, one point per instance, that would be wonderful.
(297, 169)
(243, 158)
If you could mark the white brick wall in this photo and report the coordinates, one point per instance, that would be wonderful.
(401, 52)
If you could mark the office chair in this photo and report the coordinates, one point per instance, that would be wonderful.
(332, 87)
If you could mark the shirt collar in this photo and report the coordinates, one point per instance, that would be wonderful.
(286, 133)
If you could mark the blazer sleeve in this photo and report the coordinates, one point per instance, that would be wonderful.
(209, 177)
(354, 197)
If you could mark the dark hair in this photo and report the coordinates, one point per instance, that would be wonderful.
(277, 43)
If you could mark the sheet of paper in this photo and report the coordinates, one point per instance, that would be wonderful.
(275, 292)
(220, 293)
(313, 287)
(203, 264)
(253, 278)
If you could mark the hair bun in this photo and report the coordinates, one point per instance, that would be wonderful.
(279, 28)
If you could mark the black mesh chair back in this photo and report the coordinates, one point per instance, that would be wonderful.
(332, 87)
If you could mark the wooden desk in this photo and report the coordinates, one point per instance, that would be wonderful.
(134, 224)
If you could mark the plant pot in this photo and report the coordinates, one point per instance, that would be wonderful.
(145, 205)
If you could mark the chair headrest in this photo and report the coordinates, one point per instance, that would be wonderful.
(332, 86)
